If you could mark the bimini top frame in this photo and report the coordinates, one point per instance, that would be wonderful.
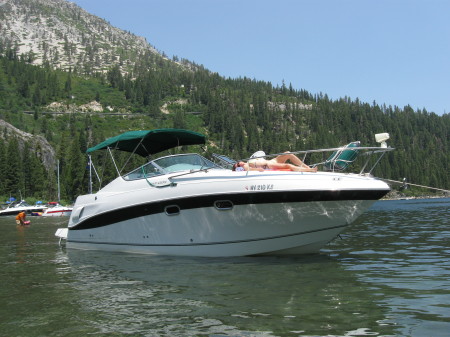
(145, 143)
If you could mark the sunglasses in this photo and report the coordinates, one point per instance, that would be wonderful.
(238, 165)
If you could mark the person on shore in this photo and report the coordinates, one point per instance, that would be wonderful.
(21, 218)
(259, 163)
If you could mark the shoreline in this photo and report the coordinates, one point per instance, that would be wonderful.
(414, 197)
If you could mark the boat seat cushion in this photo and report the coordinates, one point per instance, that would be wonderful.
(339, 160)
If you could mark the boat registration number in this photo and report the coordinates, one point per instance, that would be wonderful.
(263, 187)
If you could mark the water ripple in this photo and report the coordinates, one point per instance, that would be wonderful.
(389, 275)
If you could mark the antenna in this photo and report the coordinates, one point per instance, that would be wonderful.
(382, 138)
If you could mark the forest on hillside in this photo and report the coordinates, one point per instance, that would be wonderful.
(239, 116)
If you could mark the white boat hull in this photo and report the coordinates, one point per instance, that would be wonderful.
(246, 230)
(57, 211)
(222, 213)
(16, 210)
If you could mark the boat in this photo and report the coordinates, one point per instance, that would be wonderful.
(56, 209)
(18, 206)
(189, 205)
(36, 213)
(40, 210)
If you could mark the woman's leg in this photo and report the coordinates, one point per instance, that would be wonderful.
(275, 166)
(302, 168)
(283, 158)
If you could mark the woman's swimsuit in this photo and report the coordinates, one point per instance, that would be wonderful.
(258, 163)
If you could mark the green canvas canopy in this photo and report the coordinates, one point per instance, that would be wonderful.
(148, 142)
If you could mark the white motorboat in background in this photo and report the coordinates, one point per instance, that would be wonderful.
(18, 206)
(187, 205)
(56, 209)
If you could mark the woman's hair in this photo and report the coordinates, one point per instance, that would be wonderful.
(238, 167)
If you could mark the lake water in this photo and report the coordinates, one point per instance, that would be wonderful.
(388, 275)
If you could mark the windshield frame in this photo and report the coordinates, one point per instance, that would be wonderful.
(192, 162)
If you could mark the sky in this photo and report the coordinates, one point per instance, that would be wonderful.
(393, 52)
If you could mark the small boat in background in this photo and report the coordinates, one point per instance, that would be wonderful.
(56, 209)
(39, 212)
(16, 207)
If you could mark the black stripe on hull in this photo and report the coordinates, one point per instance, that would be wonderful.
(123, 214)
(209, 243)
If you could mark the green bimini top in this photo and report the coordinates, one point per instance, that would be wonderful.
(148, 142)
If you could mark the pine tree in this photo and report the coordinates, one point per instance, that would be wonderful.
(37, 177)
(2, 166)
(13, 178)
(74, 170)
(29, 159)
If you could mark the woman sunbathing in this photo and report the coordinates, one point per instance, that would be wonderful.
(277, 163)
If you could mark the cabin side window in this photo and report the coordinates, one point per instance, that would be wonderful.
(223, 205)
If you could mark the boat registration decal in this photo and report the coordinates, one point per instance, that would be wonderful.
(160, 182)
(263, 187)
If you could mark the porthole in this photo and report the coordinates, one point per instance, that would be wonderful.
(223, 205)
(172, 210)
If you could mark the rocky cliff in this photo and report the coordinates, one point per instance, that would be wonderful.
(38, 144)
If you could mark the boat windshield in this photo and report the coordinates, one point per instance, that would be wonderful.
(18, 203)
(170, 164)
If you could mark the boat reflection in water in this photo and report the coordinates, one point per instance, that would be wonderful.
(241, 296)
(187, 205)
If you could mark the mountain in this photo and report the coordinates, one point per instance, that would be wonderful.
(102, 81)
(63, 35)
